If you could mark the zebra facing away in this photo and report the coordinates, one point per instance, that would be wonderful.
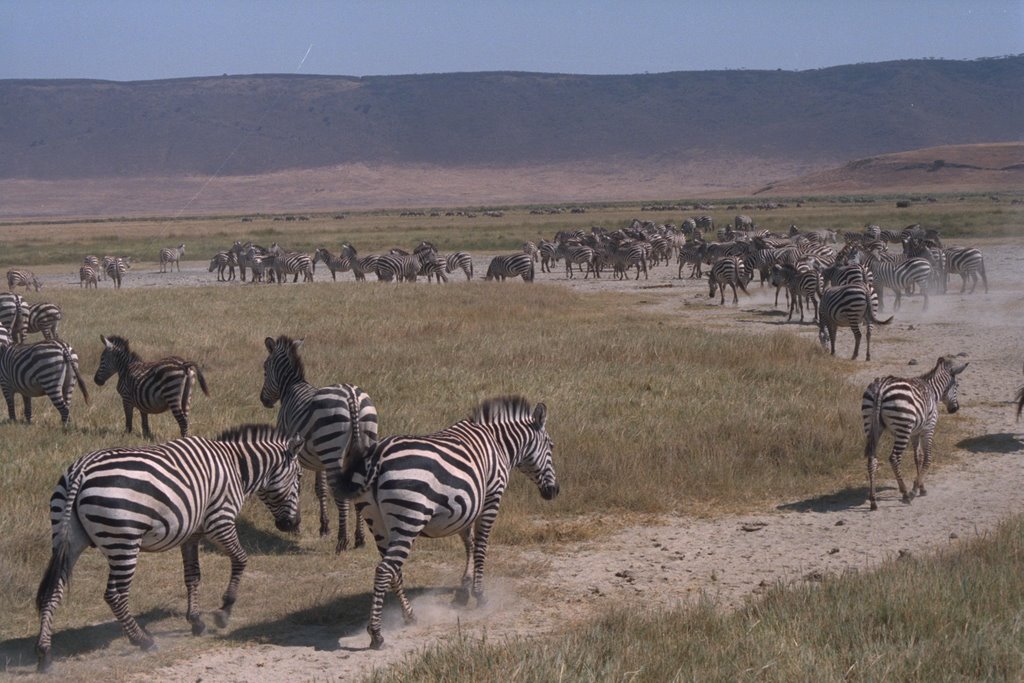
(848, 306)
(115, 268)
(169, 255)
(125, 501)
(510, 265)
(449, 482)
(23, 278)
(331, 420)
(47, 368)
(87, 277)
(730, 271)
(909, 408)
(44, 318)
(149, 387)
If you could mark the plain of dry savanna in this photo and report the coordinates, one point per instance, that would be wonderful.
(651, 414)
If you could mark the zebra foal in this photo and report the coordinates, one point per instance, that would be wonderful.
(449, 482)
(149, 387)
(909, 408)
(124, 501)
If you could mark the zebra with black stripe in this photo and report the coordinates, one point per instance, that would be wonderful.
(14, 315)
(398, 268)
(909, 408)
(47, 368)
(512, 266)
(530, 247)
(966, 262)
(448, 482)
(22, 278)
(335, 264)
(171, 255)
(115, 269)
(577, 254)
(847, 305)
(93, 262)
(149, 387)
(87, 276)
(802, 285)
(548, 255)
(291, 263)
(125, 501)
(899, 277)
(44, 318)
(331, 420)
(361, 265)
(626, 255)
(460, 260)
(730, 271)
(224, 261)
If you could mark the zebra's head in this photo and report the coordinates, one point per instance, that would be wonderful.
(712, 286)
(282, 368)
(115, 354)
(950, 392)
(280, 489)
(536, 462)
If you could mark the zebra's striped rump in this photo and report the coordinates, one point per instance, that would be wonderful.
(125, 501)
(448, 482)
(47, 368)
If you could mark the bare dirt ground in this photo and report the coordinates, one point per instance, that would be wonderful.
(678, 559)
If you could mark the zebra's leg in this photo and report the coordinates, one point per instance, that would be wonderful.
(27, 402)
(190, 560)
(926, 438)
(180, 414)
(9, 398)
(77, 542)
(483, 533)
(872, 459)
(145, 425)
(226, 538)
(856, 340)
(128, 416)
(867, 353)
(385, 577)
(899, 445)
(320, 485)
(462, 592)
(119, 583)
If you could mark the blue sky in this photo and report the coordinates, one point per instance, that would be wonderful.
(151, 39)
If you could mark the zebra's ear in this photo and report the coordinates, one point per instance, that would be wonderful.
(958, 369)
(540, 415)
(269, 342)
(106, 342)
(297, 344)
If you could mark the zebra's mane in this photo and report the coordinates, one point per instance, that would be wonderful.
(250, 433)
(293, 354)
(502, 409)
(121, 344)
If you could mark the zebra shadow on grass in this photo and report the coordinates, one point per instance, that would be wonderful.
(259, 542)
(992, 443)
(846, 499)
(83, 640)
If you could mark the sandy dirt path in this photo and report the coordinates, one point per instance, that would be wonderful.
(729, 558)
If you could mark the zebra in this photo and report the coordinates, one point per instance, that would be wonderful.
(510, 265)
(331, 420)
(966, 262)
(149, 387)
(94, 263)
(32, 370)
(125, 501)
(577, 254)
(291, 263)
(847, 305)
(743, 223)
(727, 271)
(899, 277)
(628, 255)
(44, 318)
(909, 408)
(398, 268)
(23, 278)
(169, 255)
(704, 223)
(461, 260)
(115, 269)
(360, 265)
(244, 254)
(336, 264)
(87, 276)
(692, 253)
(802, 284)
(221, 261)
(548, 255)
(14, 315)
(448, 482)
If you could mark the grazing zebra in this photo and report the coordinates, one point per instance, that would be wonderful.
(115, 269)
(847, 305)
(45, 368)
(433, 268)
(727, 271)
(576, 254)
(459, 259)
(899, 277)
(398, 268)
(87, 276)
(909, 408)
(331, 420)
(125, 501)
(24, 278)
(221, 261)
(360, 265)
(44, 318)
(966, 262)
(170, 255)
(510, 265)
(335, 264)
(291, 263)
(149, 387)
(14, 315)
(448, 482)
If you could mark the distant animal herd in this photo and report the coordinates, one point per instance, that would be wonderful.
(158, 497)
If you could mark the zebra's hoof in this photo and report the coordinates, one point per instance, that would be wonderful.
(341, 547)
(325, 531)
(149, 646)
(376, 641)
(874, 505)
(198, 627)
(221, 617)
(461, 597)
(45, 662)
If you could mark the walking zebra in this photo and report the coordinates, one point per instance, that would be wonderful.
(87, 276)
(727, 271)
(579, 255)
(115, 269)
(24, 278)
(169, 255)
(125, 501)
(461, 260)
(221, 261)
(966, 262)
(692, 253)
(628, 255)
(44, 318)
(94, 263)
(909, 408)
(847, 305)
(510, 265)
(448, 482)
(899, 277)
(45, 368)
(149, 387)
(331, 420)
(360, 265)
(335, 264)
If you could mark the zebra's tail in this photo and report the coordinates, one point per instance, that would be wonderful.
(871, 315)
(202, 380)
(72, 362)
(358, 466)
(873, 421)
(1020, 402)
(58, 571)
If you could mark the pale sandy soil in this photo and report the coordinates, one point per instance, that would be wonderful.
(677, 559)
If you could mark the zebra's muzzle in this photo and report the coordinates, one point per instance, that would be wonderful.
(288, 524)
(549, 492)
